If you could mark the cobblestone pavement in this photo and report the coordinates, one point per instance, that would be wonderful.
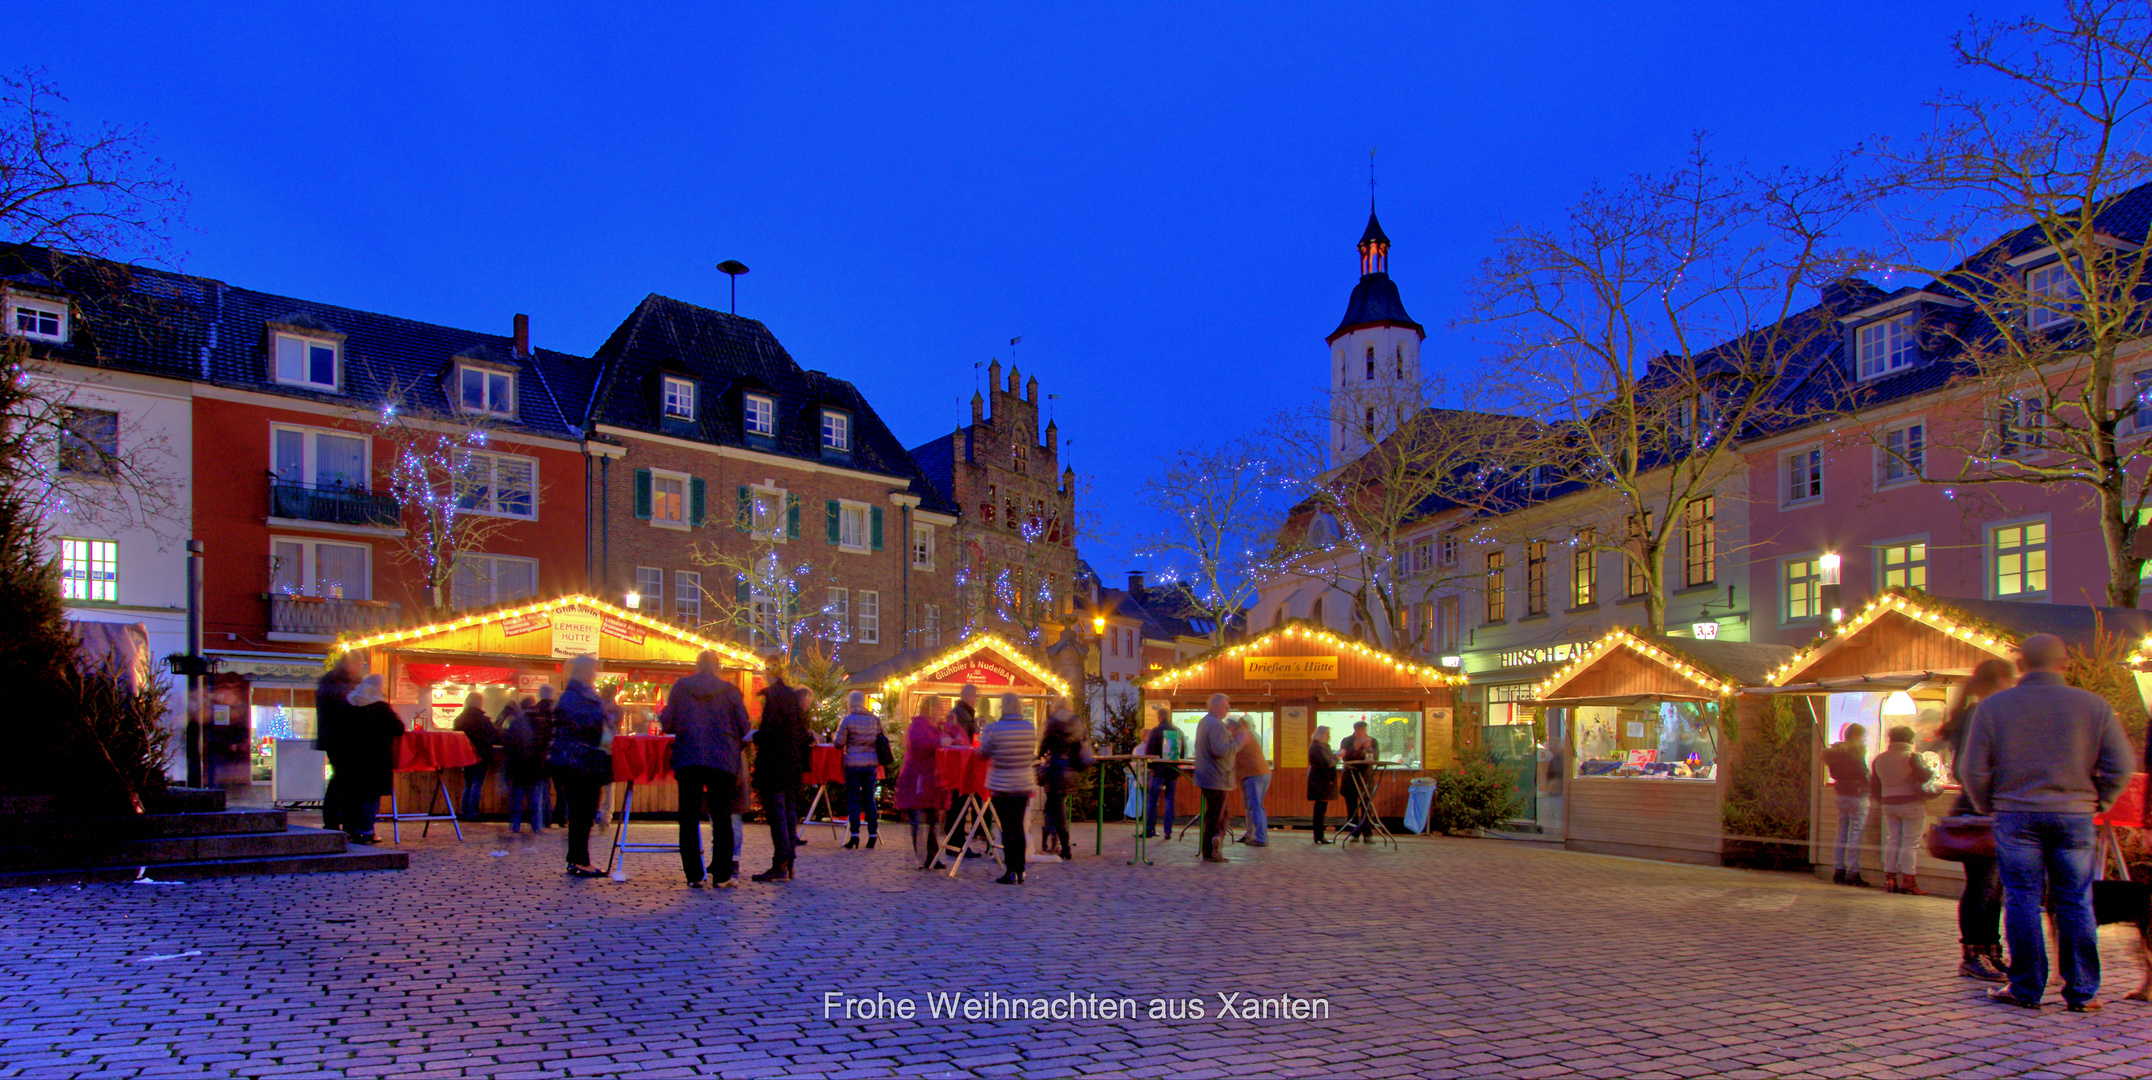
(1445, 957)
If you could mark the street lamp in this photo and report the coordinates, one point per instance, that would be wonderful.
(1827, 567)
(733, 268)
(634, 599)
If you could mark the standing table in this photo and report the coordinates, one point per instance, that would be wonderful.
(1370, 787)
(963, 771)
(825, 766)
(639, 759)
(434, 752)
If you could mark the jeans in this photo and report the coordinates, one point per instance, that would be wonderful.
(781, 807)
(1320, 804)
(859, 799)
(1852, 821)
(1213, 819)
(2048, 854)
(474, 788)
(739, 836)
(1980, 909)
(1010, 809)
(581, 801)
(359, 811)
(715, 788)
(526, 804)
(1158, 792)
(1902, 826)
(1357, 784)
(1252, 790)
(558, 814)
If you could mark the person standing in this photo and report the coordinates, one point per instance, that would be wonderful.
(484, 736)
(1010, 745)
(782, 748)
(1847, 761)
(523, 762)
(364, 755)
(330, 692)
(1980, 907)
(966, 712)
(707, 719)
(1322, 777)
(1063, 750)
(556, 805)
(2044, 757)
(1898, 780)
(1252, 770)
(857, 737)
(1360, 753)
(580, 717)
(1216, 745)
(1166, 744)
(919, 793)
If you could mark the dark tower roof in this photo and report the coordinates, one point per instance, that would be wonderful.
(1374, 229)
(1375, 301)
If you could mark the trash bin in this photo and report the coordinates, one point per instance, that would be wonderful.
(1419, 803)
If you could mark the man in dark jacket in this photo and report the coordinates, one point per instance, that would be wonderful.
(782, 746)
(556, 809)
(707, 718)
(1847, 762)
(330, 692)
(484, 736)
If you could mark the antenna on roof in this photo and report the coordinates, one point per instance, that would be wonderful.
(733, 268)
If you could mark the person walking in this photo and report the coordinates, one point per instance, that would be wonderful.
(364, 754)
(707, 719)
(1011, 746)
(857, 737)
(1980, 906)
(579, 716)
(782, 749)
(523, 762)
(1166, 745)
(1252, 770)
(1062, 747)
(920, 794)
(1322, 776)
(1847, 762)
(1360, 753)
(1216, 746)
(330, 694)
(2044, 757)
(546, 713)
(484, 736)
(1898, 781)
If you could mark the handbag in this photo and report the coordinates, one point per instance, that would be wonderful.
(882, 751)
(1961, 837)
(573, 759)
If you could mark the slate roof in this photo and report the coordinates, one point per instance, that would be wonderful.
(1375, 302)
(726, 355)
(936, 459)
(1374, 232)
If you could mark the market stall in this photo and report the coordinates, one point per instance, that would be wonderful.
(507, 653)
(1297, 677)
(1645, 753)
(904, 681)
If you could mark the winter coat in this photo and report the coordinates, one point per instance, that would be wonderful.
(856, 737)
(707, 718)
(1847, 763)
(523, 745)
(579, 715)
(967, 718)
(363, 748)
(1062, 746)
(919, 785)
(1322, 772)
(480, 729)
(782, 744)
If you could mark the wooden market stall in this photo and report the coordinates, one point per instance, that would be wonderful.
(1896, 661)
(984, 660)
(1300, 676)
(508, 652)
(1638, 733)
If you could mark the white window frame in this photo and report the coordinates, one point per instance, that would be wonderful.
(687, 596)
(309, 457)
(2051, 282)
(766, 615)
(650, 589)
(1884, 346)
(767, 412)
(57, 309)
(83, 552)
(486, 375)
(2023, 418)
(673, 393)
(849, 512)
(836, 430)
(107, 457)
(769, 527)
(2137, 385)
(493, 485)
(1814, 579)
(309, 569)
(2045, 550)
(307, 344)
(1887, 459)
(922, 546)
(492, 576)
(837, 605)
(1814, 480)
(868, 608)
(930, 625)
(1908, 544)
(686, 486)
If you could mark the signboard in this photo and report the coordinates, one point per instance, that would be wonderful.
(575, 633)
(622, 629)
(528, 682)
(1289, 667)
(524, 624)
(978, 671)
(1541, 654)
(262, 671)
(1704, 631)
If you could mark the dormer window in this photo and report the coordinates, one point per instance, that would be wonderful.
(679, 398)
(306, 361)
(2052, 296)
(758, 415)
(482, 390)
(836, 430)
(1886, 346)
(43, 320)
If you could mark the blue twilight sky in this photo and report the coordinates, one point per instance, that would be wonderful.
(1162, 199)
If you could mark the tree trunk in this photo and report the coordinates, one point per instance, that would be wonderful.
(1655, 589)
(2124, 571)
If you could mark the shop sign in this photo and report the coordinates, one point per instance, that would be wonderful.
(524, 624)
(977, 671)
(575, 633)
(622, 629)
(528, 682)
(1289, 667)
(1541, 654)
(269, 670)
(1704, 631)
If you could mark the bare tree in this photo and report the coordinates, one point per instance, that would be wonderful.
(760, 578)
(2045, 319)
(92, 192)
(453, 497)
(1662, 318)
(1217, 546)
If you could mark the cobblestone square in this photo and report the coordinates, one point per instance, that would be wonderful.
(1445, 957)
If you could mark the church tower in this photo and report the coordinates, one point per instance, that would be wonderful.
(1374, 356)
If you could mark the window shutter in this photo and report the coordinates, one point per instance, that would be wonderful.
(833, 513)
(792, 517)
(642, 494)
(694, 501)
(739, 590)
(874, 527)
(745, 516)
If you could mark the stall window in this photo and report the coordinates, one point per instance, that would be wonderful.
(1263, 722)
(1656, 740)
(1397, 734)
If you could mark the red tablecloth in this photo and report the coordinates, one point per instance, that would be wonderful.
(2130, 808)
(961, 770)
(642, 759)
(426, 751)
(826, 765)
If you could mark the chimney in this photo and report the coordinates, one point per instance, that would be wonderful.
(1135, 583)
(523, 335)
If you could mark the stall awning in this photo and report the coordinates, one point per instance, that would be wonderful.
(1620, 700)
(982, 660)
(1301, 655)
(548, 631)
(1863, 684)
(1627, 665)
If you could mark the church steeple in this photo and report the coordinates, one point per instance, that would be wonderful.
(1374, 246)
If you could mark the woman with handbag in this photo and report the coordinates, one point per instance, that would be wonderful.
(865, 746)
(579, 763)
(1980, 908)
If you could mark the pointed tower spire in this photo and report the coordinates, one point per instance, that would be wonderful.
(1374, 247)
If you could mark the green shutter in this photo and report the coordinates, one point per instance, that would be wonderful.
(745, 517)
(834, 512)
(739, 589)
(694, 501)
(792, 517)
(874, 527)
(642, 494)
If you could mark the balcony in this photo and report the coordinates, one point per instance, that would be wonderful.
(338, 505)
(322, 618)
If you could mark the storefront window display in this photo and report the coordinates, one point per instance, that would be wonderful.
(1650, 739)
(277, 713)
(1923, 711)
(1264, 723)
(1397, 734)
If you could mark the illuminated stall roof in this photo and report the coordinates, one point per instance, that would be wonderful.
(615, 634)
(1280, 655)
(984, 660)
(1904, 637)
(1625, 666)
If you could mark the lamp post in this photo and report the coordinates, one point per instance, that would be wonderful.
(733, 268)
(1827, 569)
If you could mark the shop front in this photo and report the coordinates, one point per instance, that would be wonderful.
(508, 653)
(1299, 677)
(906, 680)
(1645, 742)
(1515, 735)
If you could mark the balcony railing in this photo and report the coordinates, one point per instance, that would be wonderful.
(326, 617)
(339, 505)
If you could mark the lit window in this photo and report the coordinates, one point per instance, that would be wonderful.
(487, 391)
(41, 319)
(679, 399)
(1905, 453)
(2021, 559)
(1886, 346)
(1803, 589)
(90, 570)
(303, 361)
(687, 597)
(1804, 475)
(2052, 296)
(923, 547)
(1584, 570)
(319, 568)
(668, 499)
(500, 484)
(1700, 543)
(89, 442)
(479, 580)
(838, 607)
(1496, 588)
(758, 415)
(836, 431)
(870, 617)
(1905, 566)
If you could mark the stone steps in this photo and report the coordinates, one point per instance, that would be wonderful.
(293, 840)
(39, 849)
(318, 863)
